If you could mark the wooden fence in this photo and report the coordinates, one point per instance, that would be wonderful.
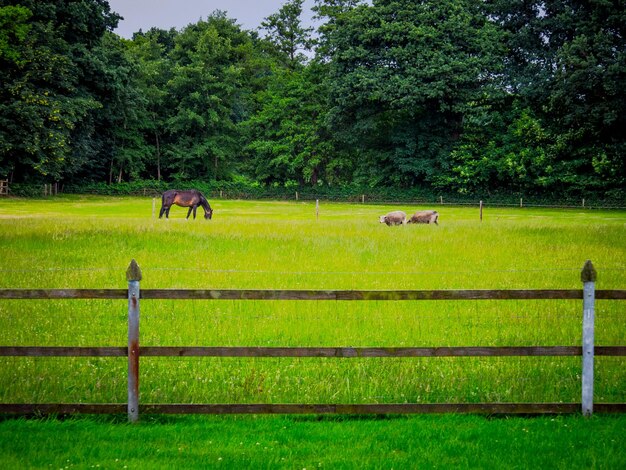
(588, 294)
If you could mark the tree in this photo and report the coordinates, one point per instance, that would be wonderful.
(286, 33)
(402, 73)
(204, 95)
(13, 31)
(150, 51)
(44, 95)
(329, 12)
(289, 140)
(567, 62)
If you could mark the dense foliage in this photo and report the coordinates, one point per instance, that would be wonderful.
(452, 96)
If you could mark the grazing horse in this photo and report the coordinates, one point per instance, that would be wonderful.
(191, 198)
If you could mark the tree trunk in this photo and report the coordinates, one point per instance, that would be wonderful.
(158, 154)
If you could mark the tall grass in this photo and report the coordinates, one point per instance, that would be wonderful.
(87, 242)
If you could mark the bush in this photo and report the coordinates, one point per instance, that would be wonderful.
(243, 188)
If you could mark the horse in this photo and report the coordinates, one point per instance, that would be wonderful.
(191, 198)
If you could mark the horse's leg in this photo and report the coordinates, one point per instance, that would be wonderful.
(161, 211)
(195, 208)
(189, 211)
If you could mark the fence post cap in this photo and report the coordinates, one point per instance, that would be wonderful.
(133, 273)
(588, 274)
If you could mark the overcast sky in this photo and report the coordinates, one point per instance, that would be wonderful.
(165, 14)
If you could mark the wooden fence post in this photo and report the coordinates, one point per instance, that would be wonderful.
(133, 275)
(588, 277)
(481, 211)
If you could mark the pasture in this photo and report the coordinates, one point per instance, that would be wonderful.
(88, 242)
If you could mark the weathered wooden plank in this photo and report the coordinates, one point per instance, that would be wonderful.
(62, 408)
(198, 351)
(609, 408)
(402, 408)
(588, 276)
(134, 275)
(359, 352)
(252, 294)
(35, 294)
(610, 350)
(62, 351)
(237, 294)
(608, 294)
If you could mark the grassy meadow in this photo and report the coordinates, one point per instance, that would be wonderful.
(88, 242)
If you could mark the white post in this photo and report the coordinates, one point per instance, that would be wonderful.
(153, 208)
(588, 277)
(133, 275)
(481, 211)
(296, 195)
(520, 202)
(317, 209)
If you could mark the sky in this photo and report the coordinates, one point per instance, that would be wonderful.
(165, 14)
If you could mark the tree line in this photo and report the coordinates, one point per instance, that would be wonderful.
(455, 96)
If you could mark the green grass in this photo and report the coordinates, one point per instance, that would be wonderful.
(88, 242)
(304, 442)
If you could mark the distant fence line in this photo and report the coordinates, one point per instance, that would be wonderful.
(133, 351)
(363, 196)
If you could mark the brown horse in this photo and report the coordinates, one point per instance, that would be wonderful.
(191, 198)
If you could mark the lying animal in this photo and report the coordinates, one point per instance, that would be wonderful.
(424, 217)
(394, 218)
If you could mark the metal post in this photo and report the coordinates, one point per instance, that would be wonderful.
(133, 275)
(588, 277)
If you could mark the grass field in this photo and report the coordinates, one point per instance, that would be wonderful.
(87, 242)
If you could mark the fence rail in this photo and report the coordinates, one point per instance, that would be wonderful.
(289, 294)
(133, 351)
(239, 351)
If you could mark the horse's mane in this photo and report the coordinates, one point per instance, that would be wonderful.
(204, 203)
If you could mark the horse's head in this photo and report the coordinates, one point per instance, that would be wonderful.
(208, 214)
